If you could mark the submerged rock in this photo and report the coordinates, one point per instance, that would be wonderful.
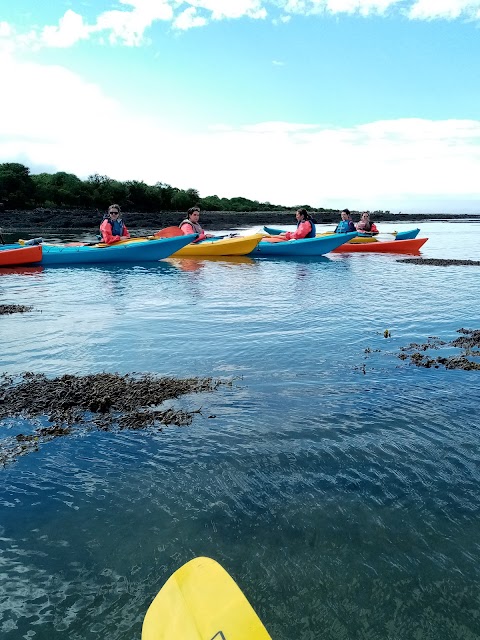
(103, 401)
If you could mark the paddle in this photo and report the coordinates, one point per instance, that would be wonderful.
(201, 601)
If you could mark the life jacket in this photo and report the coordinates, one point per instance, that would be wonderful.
(364, 225)
(312, 233)
(117, 227)
(343, 226)
(195, 226)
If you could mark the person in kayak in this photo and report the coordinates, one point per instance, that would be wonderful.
(346, 224)
(191, 224)
(112, 227)
(365, 224)
(305, 227)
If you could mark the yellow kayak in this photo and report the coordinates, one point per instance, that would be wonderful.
(238, 246)
(200, 601)
(357, 240)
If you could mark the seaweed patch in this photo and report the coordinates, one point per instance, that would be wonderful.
(441, 262)
(7, 309)
(468, 342)
(103, 401)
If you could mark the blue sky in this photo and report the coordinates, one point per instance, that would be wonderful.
(366, 104)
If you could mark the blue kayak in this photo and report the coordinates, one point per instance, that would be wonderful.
(122, 252)
(400, 235)
(305, 247)
(407, 235)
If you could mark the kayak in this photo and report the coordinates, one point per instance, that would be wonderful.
(387, 246)
(12, 255)
(305, 247)
(238, 246)
(201, 601)
(118, 253)
(407, 235)
(362, 237)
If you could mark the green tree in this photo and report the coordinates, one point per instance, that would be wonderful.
(183, 200)
(62, 189)
(17, 188)
(104, 191)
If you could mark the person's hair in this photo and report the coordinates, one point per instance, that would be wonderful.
(347, 211)
(366, 213)
(192, 210)
(304, 213)
(114, 206)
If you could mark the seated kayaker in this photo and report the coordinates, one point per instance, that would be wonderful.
(346, 224)
(305, 227)
(365, 224)
(112, 227)
(191, 224)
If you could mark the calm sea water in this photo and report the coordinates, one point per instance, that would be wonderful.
(336, 483)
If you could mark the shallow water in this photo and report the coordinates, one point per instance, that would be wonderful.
(336, 483)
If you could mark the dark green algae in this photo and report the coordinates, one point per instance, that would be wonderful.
(419, 353)
(6, 309)
(468, 342)
(102, 401)
(441, 262)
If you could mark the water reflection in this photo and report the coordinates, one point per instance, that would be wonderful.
(196, 264)
(20, 271)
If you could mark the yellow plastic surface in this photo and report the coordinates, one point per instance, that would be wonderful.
(357, 240)
(226, 247)
(201, 601)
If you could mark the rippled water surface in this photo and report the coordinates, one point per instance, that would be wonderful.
(336, 483)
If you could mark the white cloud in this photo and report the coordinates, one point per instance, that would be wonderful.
(362, 7)
(387, 164)
(447, 9)
(71, 28)
(189, 19)
(219, 9)
(5, 30)
(129, 25)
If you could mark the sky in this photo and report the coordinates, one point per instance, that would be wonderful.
(365, 104)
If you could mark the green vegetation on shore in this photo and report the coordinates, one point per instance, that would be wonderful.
(19, 189)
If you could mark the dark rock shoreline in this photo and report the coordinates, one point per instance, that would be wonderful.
(89, 220)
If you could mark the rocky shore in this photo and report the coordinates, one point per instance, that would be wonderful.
(89, 220)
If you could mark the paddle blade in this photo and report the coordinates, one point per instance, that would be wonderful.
(200, 601)
(168, 232)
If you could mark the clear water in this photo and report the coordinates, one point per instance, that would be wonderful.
(338, 487)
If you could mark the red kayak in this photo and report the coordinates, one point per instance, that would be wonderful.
(20, 255)
(389, 246)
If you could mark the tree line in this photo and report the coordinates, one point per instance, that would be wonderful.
(19, 189)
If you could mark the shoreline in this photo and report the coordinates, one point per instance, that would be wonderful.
(89, 219)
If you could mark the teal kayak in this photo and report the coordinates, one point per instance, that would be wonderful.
(407, 235)
(400, 235)
(305, 247)
(127, 252)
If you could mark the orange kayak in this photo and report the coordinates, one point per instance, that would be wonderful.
(20, 255)
(389, 246)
